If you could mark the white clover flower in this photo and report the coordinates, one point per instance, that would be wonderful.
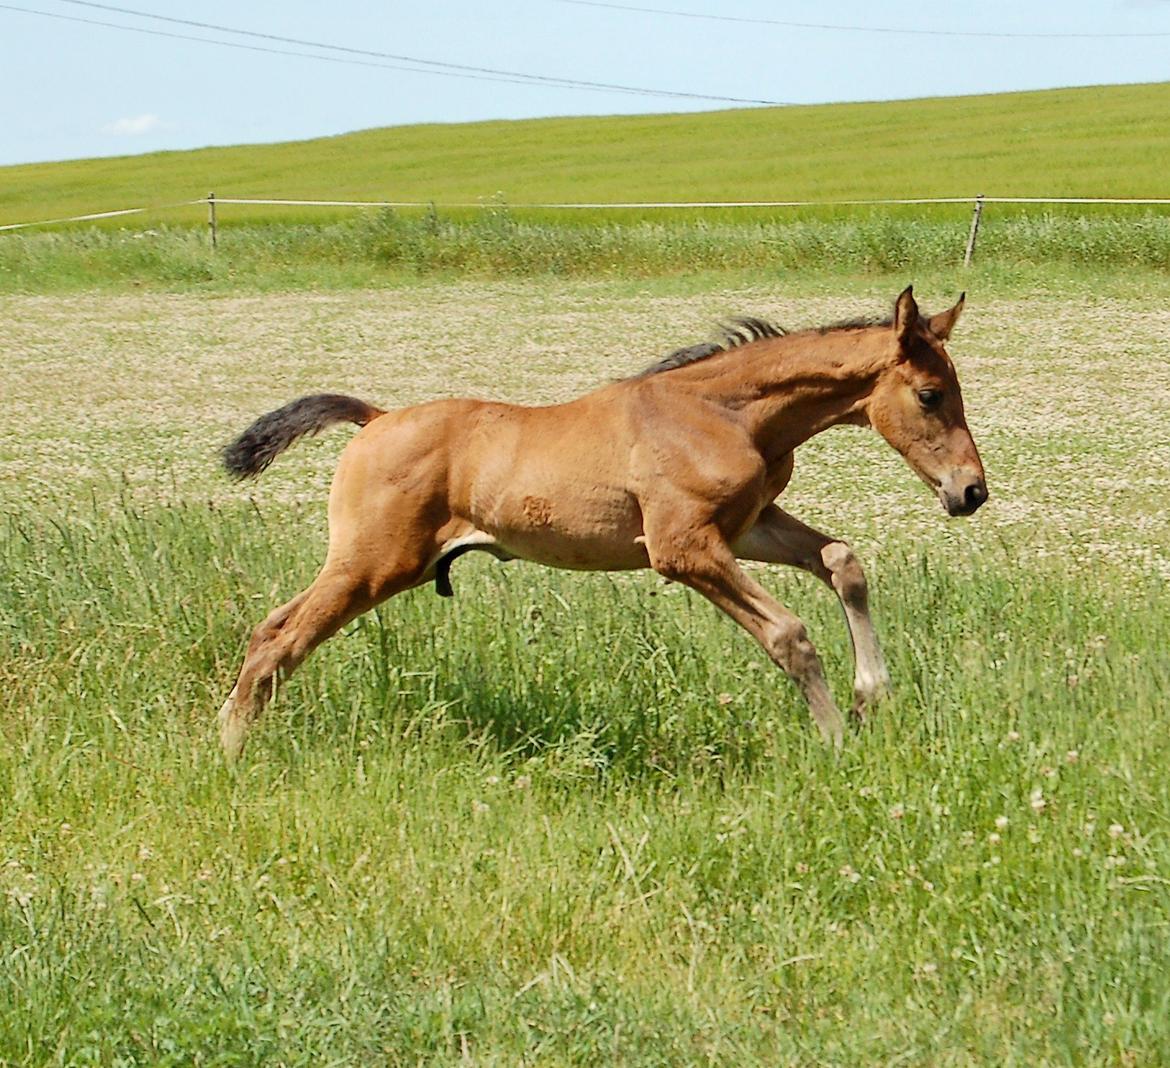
(1001, 822)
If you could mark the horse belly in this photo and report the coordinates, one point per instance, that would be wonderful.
(571, 526)
(551, 485)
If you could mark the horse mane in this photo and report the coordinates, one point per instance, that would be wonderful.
(741, 330)
(860, 322)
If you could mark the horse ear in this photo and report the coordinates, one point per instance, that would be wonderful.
(905, 315)
(942, 324)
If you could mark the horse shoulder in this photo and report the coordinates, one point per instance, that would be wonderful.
(688, 448)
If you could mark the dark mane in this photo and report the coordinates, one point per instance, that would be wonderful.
(861, 322)
(736, 332)
(743, 330)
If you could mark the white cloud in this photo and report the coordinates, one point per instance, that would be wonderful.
(134, 126)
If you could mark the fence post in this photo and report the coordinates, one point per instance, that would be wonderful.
(974, 231)
(211, 219)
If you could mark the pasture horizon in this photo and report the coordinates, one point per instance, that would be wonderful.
(1095, 141)
(256, 91)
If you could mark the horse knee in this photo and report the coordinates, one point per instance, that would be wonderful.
(787, 643)
(680, 559)
(271, 627)
(847, 575)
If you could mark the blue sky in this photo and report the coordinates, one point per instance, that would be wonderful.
(74, 90)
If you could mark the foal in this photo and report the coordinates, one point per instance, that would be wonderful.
(675, 469)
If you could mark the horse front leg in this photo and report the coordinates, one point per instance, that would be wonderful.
(778, 538)
(702, 559)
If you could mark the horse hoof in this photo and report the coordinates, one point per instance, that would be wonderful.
(231, 730)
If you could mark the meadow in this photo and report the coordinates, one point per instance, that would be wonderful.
(1099, 141)
(578, 819)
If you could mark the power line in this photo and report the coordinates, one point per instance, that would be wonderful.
(247, 47)
(424, 66)
(853, 29)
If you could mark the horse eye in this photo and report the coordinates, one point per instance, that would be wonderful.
(930, 398)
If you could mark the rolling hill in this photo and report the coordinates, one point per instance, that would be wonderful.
(1104, 141)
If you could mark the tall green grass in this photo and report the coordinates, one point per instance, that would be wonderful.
(571, 819)
(500, 243)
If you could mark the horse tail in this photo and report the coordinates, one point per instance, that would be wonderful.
(271, 434)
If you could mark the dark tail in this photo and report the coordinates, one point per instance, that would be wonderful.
(271, 434)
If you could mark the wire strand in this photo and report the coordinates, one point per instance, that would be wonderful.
(423, 66)
(855, 29)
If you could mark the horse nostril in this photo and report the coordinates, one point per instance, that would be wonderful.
(975, 495)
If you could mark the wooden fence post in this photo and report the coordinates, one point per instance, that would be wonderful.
(211, 219)
(974, 231)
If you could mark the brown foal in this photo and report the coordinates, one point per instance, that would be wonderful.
(675, 469)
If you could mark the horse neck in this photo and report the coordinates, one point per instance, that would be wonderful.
(789, 389)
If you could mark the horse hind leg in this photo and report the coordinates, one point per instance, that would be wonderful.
(290, 633)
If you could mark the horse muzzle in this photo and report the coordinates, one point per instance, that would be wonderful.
(962, 492)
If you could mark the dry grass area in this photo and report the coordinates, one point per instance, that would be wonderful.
(1068, 398)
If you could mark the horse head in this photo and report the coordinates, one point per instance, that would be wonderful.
(917, 406)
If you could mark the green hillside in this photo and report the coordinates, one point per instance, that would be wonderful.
(1106, 141)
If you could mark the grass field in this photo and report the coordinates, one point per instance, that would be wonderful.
(1101, 141)
(576, 819)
